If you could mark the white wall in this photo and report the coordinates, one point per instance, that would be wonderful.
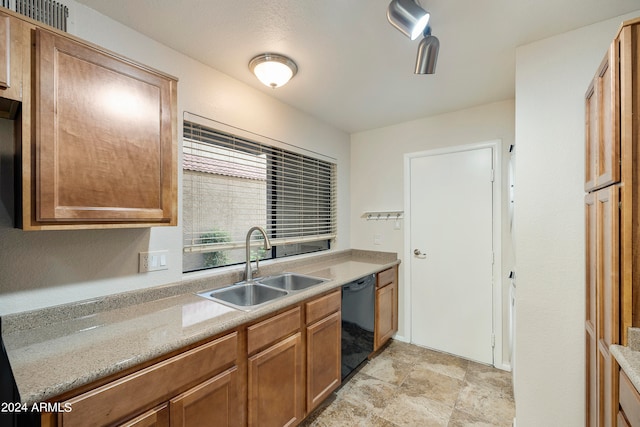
(45, 268)
(551, 79)
(377, 162)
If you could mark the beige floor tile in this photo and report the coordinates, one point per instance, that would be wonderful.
(342, 413)
(404, 351)
(491, 405)
(432, 385)
(462, 419)
(443, 363)
(488, 376)
(407, 410)
(387, 369)
(371, 393)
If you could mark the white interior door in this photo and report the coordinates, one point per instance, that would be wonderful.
(451, 222)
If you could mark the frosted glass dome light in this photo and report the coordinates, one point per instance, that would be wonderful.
(273, 70)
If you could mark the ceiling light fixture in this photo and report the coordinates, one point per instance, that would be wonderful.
(273, 70)
(408, 17)
(427, 53)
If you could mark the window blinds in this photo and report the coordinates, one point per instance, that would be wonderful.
(232, 183)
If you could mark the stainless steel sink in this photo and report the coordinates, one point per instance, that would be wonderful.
(291, 281)
(248, 296)
(244, 295)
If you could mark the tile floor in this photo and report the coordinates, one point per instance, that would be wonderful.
(406, 385)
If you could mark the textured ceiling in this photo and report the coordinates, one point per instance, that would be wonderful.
(355, 69)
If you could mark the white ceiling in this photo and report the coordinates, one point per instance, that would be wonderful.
(355, 69)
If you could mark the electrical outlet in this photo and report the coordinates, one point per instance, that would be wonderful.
(153, 261)
(377, 239)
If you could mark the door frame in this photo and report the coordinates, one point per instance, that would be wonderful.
(497, 300)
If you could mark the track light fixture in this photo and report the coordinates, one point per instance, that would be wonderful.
(273, 70)
(408, 17)
(412, 20)
(427, 53)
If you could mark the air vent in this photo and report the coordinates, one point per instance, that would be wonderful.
(48, 12)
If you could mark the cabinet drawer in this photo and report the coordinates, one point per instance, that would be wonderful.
(387, 276)
(323, 306)
(273, 329)
(157, 417)
(127, 396)
(629, 400)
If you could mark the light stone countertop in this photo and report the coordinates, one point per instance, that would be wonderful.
(629, 357)
(55, 350)
(629, 361)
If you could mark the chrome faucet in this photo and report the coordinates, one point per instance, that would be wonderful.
(267, 245)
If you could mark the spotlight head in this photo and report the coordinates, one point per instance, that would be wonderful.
(408, 17)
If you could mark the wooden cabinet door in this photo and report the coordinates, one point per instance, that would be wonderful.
(5, 52)
(386, 314)
(105, 150)
(602, 156)
(276, 384)
(591, 359)
(214, 402)
(324, 347)
(608, 303)
(11, 52)
(157, 417)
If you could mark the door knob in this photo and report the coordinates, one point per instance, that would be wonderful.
(419, 254)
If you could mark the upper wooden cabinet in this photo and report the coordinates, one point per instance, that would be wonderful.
(602, 130)
(104, 137)
(98, 134)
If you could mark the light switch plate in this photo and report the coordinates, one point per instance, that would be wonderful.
(153, 261)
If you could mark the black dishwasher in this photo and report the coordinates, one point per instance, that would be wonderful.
(358, 305)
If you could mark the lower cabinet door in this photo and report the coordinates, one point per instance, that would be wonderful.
(213, 403)
(276, 384)
(157, 417)
(323, 359)
(385, 323)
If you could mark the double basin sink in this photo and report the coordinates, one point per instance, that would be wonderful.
(251, 295)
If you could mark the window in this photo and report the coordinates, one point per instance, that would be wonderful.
(232, 183)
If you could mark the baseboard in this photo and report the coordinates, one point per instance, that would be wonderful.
(505, 367)
(400, 338)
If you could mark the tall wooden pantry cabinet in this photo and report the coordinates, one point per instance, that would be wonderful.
(612, 216)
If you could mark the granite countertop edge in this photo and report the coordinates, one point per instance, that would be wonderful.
(629, 361)
(207, 329)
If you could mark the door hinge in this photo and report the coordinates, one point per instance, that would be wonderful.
(493, 258)
(620, 204)
(493, 340)
(493, 175)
